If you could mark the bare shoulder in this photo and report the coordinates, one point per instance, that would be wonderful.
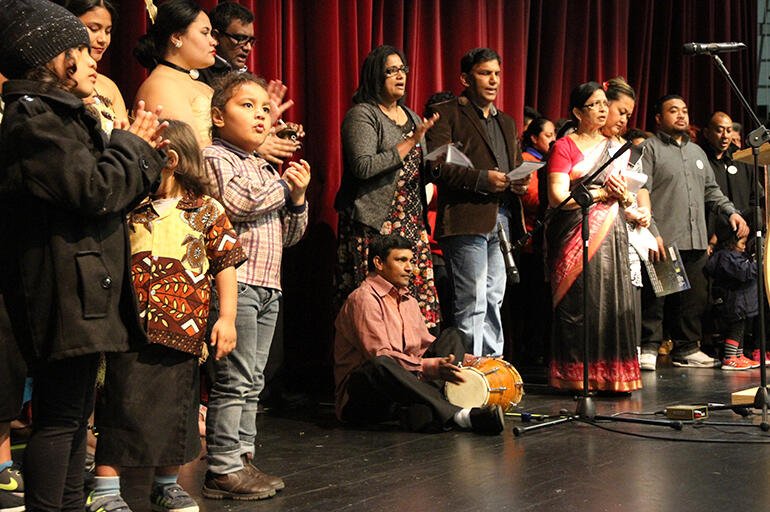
(106, 86)
(164, 87)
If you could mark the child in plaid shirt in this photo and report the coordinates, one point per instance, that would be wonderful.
(269, 213)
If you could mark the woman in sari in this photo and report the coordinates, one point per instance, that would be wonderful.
(613, 365)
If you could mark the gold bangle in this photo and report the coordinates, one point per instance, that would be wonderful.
(601, 195)
(628, 199)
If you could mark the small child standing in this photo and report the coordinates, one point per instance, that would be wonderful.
(269, 213)
(734, 294)
(147, 415)
(64, 191)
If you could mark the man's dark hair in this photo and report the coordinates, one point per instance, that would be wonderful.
(381, 245)
(657, 108)
(372, 81)
(530, 113)
(225, 12)
(477, 56)
(438, 98)
(636, 133)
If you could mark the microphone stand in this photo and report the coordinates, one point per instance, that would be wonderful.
(756, 138)
(585, 409)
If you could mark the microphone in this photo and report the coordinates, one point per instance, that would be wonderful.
(711, 48)
(505, 248)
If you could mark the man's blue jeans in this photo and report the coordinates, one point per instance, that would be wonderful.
(478, 275)
(232, 409)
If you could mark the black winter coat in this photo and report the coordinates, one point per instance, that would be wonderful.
(734, 285)
(64, 190)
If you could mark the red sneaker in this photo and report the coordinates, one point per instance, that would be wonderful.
(755, 357)
(753, 363)
(735, 363)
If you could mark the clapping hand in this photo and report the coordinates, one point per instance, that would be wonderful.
(427, 124)
(146, 126)
(276, 90)
(297, 177)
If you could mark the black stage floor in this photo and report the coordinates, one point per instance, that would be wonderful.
(570, 467)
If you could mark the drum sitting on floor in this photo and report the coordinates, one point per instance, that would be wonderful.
(487, 382)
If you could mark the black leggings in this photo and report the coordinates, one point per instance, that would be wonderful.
(54, 460)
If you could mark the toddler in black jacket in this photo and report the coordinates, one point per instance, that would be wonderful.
(734, 294)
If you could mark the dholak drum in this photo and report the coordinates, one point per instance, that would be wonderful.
(487, 382)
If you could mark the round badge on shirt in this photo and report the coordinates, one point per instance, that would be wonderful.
(732, 170)
(699, 163)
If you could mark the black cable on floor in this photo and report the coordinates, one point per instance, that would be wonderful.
(676, 439)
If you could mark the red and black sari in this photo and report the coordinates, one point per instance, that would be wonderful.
(613, 364)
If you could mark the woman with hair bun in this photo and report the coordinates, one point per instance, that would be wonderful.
(98, 16)
(176, 46)
(622, 100)
(613, 365)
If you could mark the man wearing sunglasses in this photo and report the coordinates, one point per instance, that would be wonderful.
(233, 27)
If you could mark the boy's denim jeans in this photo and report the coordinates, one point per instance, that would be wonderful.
(232, 409)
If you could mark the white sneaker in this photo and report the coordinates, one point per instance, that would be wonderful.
(647, 361)
(695, 360)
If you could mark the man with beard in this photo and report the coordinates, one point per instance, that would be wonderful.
(680, 187)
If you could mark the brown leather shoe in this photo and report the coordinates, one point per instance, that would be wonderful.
(240, 485)
(273, 481)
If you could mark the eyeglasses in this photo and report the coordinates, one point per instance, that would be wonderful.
(394, 70)
(240, 40)
(596, 105)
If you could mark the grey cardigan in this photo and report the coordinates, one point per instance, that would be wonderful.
(371, 164)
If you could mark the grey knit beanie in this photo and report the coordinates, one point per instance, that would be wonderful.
(32, 32)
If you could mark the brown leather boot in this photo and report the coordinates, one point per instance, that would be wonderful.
(273, 481)
(239, 485)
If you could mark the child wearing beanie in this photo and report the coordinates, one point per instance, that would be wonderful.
(65, 276)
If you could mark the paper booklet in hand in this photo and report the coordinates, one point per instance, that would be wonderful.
(452, 155)
(668, 276)
(524, 170)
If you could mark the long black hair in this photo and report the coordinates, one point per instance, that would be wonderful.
(80, 7)
(535, 128)
(372, 81)
(579, 96)
(173, 17)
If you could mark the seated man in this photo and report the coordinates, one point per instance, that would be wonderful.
(387, 364)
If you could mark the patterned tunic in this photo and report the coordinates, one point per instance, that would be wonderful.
(173, 256)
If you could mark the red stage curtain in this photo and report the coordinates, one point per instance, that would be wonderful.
(547, 47)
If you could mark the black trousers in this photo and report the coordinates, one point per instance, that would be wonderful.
(377, 388)
(678, 314)
(13, 370)
(62, 401)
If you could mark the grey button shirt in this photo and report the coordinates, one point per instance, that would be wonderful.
(681, 184)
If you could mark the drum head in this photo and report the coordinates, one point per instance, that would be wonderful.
(474, 392)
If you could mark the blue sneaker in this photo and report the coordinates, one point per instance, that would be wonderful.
(108, 503)
(171, 498)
